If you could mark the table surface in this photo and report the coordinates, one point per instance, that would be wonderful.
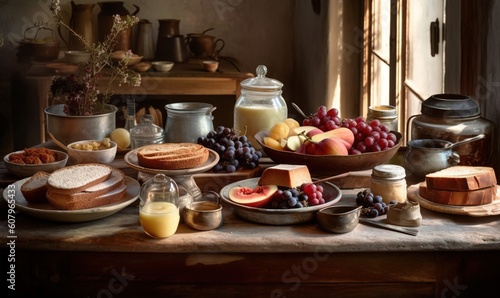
(122, 232)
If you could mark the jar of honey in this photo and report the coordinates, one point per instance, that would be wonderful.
(259, 106)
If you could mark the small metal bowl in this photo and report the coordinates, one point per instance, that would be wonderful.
(338, 219)
(203, 215)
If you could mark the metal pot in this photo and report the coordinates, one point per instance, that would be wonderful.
(187, 121)
(426, 156)
(68, 129)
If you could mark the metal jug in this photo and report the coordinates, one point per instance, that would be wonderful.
(187, 121)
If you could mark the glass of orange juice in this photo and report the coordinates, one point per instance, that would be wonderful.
(159, 206)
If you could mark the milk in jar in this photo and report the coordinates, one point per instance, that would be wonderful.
(259, 106)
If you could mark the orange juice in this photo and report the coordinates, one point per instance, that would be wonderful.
(257, 118)
(159, 219)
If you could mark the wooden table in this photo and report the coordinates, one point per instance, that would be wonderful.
(452, 256)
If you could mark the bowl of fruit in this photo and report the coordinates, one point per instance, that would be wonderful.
(284, 206)
(332, 146)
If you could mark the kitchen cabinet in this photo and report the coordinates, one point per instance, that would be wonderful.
(221, 88)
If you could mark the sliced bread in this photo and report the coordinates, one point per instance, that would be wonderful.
(35, 188)
(458, 198)
(116, 180)
(90, 201)
(172, 156)
(77, 178)
(462, 178)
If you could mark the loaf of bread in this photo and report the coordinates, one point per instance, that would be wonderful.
(73, 179)
(462, 178)
(458, 198)
(89, 201)
(285, 175)
(172, 156)
(35, 188)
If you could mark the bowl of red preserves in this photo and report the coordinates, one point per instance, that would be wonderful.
(25, 163)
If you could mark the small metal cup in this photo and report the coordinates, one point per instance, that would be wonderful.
(203, 215)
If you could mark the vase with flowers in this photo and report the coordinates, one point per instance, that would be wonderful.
(79, 109)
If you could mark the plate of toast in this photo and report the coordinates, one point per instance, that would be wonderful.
(171, 161)
(97, 192)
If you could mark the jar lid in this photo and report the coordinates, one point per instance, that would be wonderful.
(146, 129)
(261, 82)
(389, 171)
(450, 106)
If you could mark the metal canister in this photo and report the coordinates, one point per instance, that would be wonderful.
(386, 114)
(454, 117)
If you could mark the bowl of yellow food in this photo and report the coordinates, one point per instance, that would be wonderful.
(92, 151)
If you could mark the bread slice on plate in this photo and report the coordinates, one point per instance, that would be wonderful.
(116, 180)
(89, 201)
(458, 198)
(35, 188)
(462, 178)
(172, 156)
(77, 178)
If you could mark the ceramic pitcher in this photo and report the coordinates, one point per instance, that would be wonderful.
(105, 21)
(81, 22)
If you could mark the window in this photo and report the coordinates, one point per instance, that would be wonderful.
(402, 66)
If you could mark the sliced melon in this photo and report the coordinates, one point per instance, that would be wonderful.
(252, 197)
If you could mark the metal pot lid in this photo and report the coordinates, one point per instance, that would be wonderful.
(261, 82)
(450, 106)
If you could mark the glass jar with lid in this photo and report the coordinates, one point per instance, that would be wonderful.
(259, 106)
(159, 206)
(455, 117)
(389, 182)
(146, 133)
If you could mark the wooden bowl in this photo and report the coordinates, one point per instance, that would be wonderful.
(330, 164)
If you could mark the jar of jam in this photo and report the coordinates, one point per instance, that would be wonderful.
(388, 181)
(259, 106)
(454, 117)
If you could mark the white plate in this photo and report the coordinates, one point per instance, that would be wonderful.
(48, 212)
(490, 209)
(331, 194)
(131, 159)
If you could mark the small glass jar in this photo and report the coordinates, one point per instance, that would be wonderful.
(159, 206)
(388, 181)
(259, 106)
(386, 114)
(146, 133)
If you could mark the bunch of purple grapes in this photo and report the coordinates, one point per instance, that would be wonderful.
(234, 151)
(308, 194)
(373, 205)
(369, 137)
